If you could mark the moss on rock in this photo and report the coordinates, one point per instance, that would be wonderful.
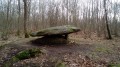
(114, 65)
(59, 30)
(60, 64)
(26, 54)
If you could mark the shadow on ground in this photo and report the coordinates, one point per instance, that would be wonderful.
(49, 41)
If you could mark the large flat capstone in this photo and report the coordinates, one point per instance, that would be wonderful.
(58, 30)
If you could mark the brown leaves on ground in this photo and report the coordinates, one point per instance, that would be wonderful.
(79, 52)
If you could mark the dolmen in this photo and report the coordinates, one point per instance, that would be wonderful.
(58, 34)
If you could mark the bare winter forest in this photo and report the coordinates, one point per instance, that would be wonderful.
(59, 33)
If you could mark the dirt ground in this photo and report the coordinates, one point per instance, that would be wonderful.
(79, 52)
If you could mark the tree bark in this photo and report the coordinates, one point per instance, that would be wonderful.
(19, 13)
(25, 18)
(106, 21)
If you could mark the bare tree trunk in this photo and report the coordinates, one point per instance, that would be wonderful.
(19, 13)
(25, 19)
(106, 21)
(115, 22)
(5, 32)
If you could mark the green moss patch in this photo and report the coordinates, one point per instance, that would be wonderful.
(114, 65)
(26, 54)
(60, 64)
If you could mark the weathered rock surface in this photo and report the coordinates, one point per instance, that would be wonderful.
(59, 30)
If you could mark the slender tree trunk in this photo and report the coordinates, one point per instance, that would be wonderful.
(106, 21)
(5, 32)
(25, 19)
(19, 12)
(115, 20)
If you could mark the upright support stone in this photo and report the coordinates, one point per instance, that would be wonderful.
(66, 36)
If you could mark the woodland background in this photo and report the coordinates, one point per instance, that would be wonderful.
(94, 17)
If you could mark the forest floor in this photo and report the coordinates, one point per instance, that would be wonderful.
(79, 52)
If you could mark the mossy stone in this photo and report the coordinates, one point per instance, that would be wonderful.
(58, 30)
(60, 64)
(114, 65)
(27, 54)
